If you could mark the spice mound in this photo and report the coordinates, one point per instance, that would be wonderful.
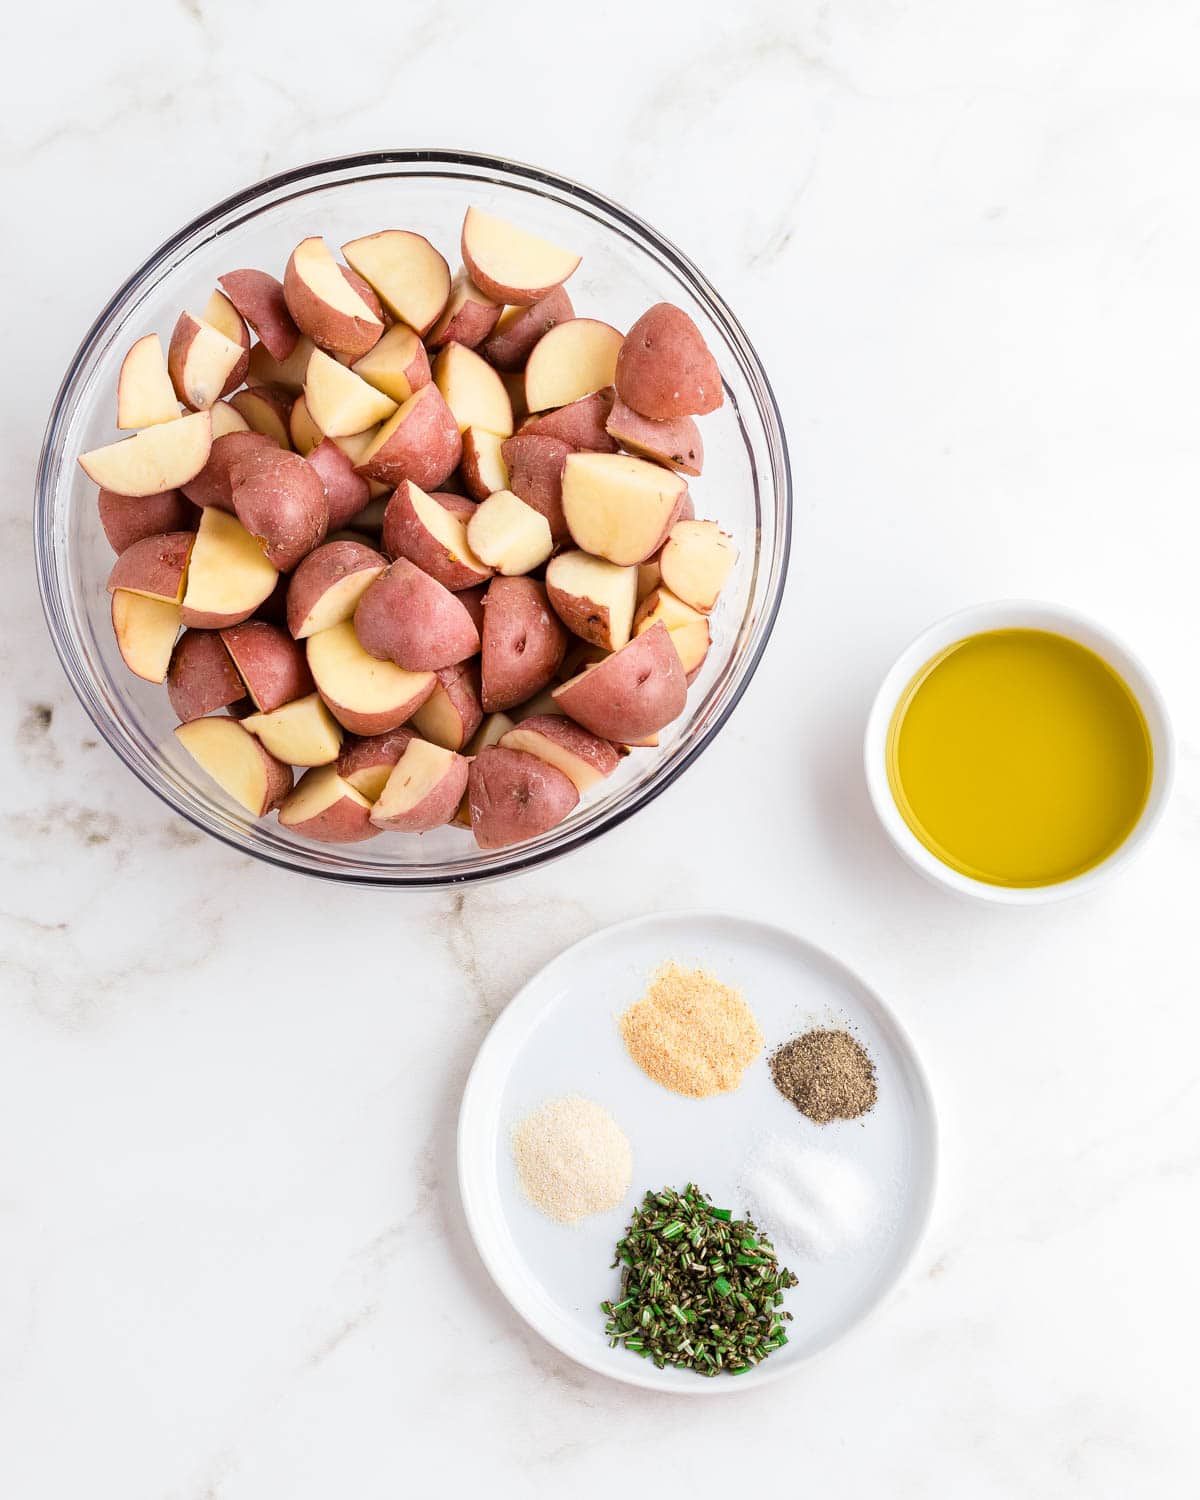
(827, 1075)
(817, 1202)
(691, 1033)
(699, 1289)
(573, 1159)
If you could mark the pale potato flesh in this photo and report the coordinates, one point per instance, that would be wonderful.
(575, 359)
(618, 507)
(349, 677)
(338, 602)
(233, 758)
(409, 276)
(225, 318)
(145, 629)
(145, 395)
(509, 535)
(687, 627)
(510, 263)
(336, 811)
(316, 267)
(423, 790)
(594, 598)
(397, 365)
(339, 401)
(228, 575)
(289, 372)
(483, 463)
(473, 391)
(201, 360)
(263, 415)
(303, 733)
(303, 431)
(163, 457)
(226, 419)
(696, 561)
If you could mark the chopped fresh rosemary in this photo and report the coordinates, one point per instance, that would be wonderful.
(699, 1289)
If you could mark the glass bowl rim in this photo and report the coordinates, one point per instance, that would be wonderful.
(48, 579)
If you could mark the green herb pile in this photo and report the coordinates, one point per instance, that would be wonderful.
(699, 1289)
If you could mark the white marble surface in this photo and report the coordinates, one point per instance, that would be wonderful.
(966, 239)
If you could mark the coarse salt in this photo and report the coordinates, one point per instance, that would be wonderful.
(815, 1202)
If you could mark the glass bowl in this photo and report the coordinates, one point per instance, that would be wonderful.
(627, 266)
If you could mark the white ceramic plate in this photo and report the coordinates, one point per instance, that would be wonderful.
(560, 1036)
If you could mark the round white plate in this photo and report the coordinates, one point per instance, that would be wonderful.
(560, 1036)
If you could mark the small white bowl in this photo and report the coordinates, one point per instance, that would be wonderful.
(1016, 614)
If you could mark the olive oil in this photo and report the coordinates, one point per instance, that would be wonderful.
(1019, 758)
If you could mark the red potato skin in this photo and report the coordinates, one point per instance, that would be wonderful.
(330, 329)
(238, 374)
(523, 642)
(405, 536)
(535, 464)
(213, 486)
(367, 292)
(582, 424)
(279, 778)
(202, 676)
(271, 664)
(131, 518)
(365, 753)
(277, 397)
(436, 808)
(469, 326)
(469, 469)
(460, 684)
(345, 491)
(409, 618)
(509, 348)
(342, 822)
(154, 564)
(284, 506)
(472, 602)
(594, 752)
(259, 299)
(320, 570)
(665, 369)
(185, 330)
(676, 443)
(426, 447)
(613, 700)
(514, 796)
(458, 505)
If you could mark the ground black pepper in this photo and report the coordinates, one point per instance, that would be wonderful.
(827, 1075)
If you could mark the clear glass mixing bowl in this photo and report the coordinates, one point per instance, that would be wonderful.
(746, 484)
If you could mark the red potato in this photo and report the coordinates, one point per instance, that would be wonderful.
(472, 390)
(583, 757)
(508, 535)
(145, 395)
(421, 442)
(618, 507)
(580, 654)
(288, 373)
(366, 291)
(594, 599)
(159, 458)
(346, 493)
(407, 617)
(367, 763)
(339, 401)
(266, 409)
(202, 677)
(433, 535)
(514, 796)
(273, 609)
(423, 791)
(300, 733)
(472, 602)
(155, 566)
(364, 694)
(631, 694)
(665, 368)
(458, 505)
(283, 506)
(676, 443)
(259, 299)
(370, 518)
(302, 430)
(582, 424)
(271, 664)
(575, 359)
(236, 761)
(325, 589)
(696, 561)
(490, 732)
(523, 642)
(324, 305)
(129, 518)
(483, 468)
(510, 264)
(227, 419)
(452, 712)
(468, 317)
(213, 485)
(228, 577)
(145, 631)
(398, 364)
(518, 329)
(535, 467)
(220, 313)
(327, 809)
(688, 628)
(200, 361)
(410, 276)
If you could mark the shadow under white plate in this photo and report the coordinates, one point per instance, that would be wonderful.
(560, 1036)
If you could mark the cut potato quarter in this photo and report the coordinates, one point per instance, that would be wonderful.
(226, 419)
(424, 789)
(145, 629)
(301, 733)
(411, 278)
(200, 360)
(397, 365)
(365, 695)
(267, 410)
(327, 808)
(228, 575)
(473, 391)
(696, 561)
(575, 359)
(594, 598)
(483, 467)
(163, 457)
(509, 535)
(236, 761)
(339, 401)
(145, 395)
(154, 566)
(618, 507)
(288, 373)
(687, 627)
(510, 264)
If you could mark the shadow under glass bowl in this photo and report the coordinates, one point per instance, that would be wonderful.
(626, 266)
